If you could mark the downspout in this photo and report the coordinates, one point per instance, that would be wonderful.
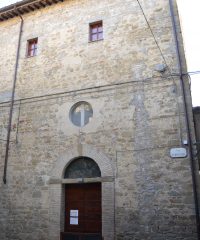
(192, 163)
(12, 101)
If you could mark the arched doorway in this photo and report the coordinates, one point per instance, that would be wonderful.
(83, 202)
(57, 183)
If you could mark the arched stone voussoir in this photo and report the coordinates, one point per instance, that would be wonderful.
(82, 150)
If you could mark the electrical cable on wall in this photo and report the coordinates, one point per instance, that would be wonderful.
(152, 33)
(91, 89)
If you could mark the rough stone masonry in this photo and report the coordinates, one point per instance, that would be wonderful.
(138, 116)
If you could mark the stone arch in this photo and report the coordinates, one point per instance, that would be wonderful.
(82, 167)
(68, 156)
(56, 190)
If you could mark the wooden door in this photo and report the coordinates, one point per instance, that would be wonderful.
(83, 208)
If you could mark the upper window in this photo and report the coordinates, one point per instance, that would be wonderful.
(32, 47)
(96, 31)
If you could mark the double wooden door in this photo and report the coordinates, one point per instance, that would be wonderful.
(83, 209)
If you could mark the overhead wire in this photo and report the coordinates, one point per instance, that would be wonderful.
(192, 73)
(100, 88)
(153, 35)
(165, 61)
(158, 46)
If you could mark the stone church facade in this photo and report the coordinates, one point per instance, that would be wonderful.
(87, 128)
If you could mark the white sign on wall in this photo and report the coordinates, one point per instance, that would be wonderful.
(178, 153)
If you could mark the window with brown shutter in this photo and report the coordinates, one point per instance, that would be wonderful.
(32, 45)
(96, 31)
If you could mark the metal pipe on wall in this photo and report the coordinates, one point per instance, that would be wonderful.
(187, 121)
(12, 102)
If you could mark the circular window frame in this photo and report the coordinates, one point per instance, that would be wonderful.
(72, 109)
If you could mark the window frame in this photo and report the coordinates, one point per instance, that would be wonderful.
(32, 47)
(96, 25)
(83, 121)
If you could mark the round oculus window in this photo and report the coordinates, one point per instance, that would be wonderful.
(81, 114)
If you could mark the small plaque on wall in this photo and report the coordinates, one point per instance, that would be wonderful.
(178, 153)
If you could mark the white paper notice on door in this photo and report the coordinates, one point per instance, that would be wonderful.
(73, 213)
(73, 217)
(73, 221)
